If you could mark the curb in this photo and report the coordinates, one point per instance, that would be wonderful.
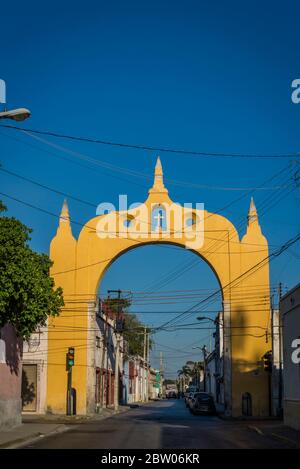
(256, 429)
(285, 439)
(33, 438)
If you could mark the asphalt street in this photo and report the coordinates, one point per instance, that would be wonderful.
(160, 425)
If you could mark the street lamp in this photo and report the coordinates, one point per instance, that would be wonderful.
(204, 318)
(19, 114)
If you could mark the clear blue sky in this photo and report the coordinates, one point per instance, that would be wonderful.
(213, 76)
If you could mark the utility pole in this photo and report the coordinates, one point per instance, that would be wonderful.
(104, 351)
(118, 330)
(144, 360)
(279, 292)
(280, 350)
(116, 387)
(148, 365)
(204, 365)
(161, 373)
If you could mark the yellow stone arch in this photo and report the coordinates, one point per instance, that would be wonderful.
(241, 267)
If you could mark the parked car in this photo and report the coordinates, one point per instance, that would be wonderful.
(202, 403)
(190, 390)
(171, 395)
(188, 397)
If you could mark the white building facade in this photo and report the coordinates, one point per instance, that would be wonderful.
(290, 325)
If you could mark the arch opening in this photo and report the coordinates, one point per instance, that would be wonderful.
(163, 286)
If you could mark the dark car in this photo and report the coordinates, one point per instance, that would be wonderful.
(202, 403)
(189, 393)
(171, 395)
(188, 398)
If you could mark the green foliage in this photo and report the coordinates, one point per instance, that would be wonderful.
(190, 369)
(2, 207)
(118, 305)
(134, 328)
(134, 335)
(27, 294)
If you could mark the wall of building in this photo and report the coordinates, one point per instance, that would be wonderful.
(276, 377)
(210, 374)
(10, 378)
(153, 381)
(135, 380)
(101, 359)
(290, 321)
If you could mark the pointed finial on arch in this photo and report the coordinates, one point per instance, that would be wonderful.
(64, 214)
(158, 166)
(252, 214)
(158, 185)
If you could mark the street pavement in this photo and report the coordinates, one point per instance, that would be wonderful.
(161, 425)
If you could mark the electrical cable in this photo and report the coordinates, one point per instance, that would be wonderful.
(146, 147)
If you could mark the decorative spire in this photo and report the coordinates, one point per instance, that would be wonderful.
(158, 185)
(64, 215)
(252, 214)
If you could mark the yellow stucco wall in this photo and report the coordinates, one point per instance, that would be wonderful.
(80, 265)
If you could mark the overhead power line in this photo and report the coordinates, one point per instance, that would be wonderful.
(237, 280)
(150, 147)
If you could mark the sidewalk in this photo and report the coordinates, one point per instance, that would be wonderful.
(29, 432)
(277, 430)
(34, 427)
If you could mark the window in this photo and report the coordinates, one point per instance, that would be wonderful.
(128, 221)
(247, 404)
(159, 221)
(191, 220)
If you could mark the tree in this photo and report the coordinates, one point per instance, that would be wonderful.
(134, 335)
(27, 293)
(133, 329)
(191, 371)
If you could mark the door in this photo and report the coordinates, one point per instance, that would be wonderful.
(29, 388)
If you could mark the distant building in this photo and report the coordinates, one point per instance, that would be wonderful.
(154, 383)
(214, 366)
(135, 380)
(210, 373)
(290, 323)
(10, 378)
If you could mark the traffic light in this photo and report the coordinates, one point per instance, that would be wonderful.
(70, 357)
(267, 358)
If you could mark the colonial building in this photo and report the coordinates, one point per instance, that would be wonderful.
(102, 357)
(290, 325)
(135, 380)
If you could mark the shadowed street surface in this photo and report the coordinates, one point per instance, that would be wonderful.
(158, 425)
